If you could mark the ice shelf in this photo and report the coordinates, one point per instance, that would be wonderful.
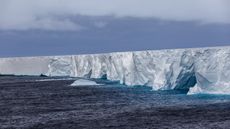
(203, 68)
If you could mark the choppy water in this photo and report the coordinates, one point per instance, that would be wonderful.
(53, 104)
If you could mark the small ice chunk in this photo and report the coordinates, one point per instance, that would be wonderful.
(84, 82)
(219, 89)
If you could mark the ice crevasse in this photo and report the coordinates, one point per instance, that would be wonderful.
(201, 70)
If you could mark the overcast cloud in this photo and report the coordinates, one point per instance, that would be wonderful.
(55, 14)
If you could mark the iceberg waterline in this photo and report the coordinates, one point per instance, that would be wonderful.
(205, 68)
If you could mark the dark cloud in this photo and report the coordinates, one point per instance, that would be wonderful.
(54, 14)
(124, 34)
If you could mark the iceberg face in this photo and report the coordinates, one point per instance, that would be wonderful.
(24, 66)
(61, 66)
(204, 68)
(212, 69)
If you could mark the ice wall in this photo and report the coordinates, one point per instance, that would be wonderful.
(161, 69)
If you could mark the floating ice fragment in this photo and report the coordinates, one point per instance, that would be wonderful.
(84, 82)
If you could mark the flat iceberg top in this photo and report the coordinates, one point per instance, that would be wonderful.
(205, 68)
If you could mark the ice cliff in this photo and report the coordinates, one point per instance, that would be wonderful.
(207, 69)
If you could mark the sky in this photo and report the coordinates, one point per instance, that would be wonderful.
(64, 27)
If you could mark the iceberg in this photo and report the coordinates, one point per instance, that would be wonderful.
(194, 69)
(84, 82)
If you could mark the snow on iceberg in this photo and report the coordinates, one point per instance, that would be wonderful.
(84, 82)
(160, 69)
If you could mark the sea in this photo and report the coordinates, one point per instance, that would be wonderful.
(30, 102)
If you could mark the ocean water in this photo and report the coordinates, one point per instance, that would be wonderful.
(26, 103)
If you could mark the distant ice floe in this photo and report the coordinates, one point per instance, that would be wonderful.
(84, 82)
(58, 79)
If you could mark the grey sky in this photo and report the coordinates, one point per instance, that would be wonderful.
(56, 27)
(53, 14)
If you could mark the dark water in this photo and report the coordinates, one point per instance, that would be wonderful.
(26, 103)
